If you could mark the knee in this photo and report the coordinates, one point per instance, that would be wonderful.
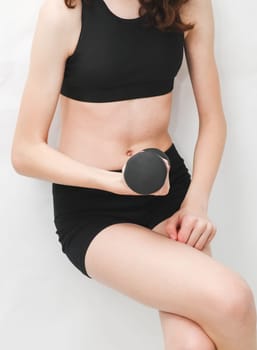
(236, 302)
(192, 342)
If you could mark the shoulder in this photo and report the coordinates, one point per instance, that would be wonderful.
(197, 12)
(61, 22)
(56, 13)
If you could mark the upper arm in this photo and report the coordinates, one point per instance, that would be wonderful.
(49, 52)
(200, 57)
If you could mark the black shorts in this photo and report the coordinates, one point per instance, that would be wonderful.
(81, 212)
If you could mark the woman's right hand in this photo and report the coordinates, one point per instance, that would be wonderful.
(164, 190)
(119, 185)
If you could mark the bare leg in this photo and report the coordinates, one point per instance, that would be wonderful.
(176, 278)
(180, 332)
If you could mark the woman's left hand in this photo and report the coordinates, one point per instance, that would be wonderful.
(191, 226)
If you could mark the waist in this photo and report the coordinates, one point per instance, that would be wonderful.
(106, 135)
(110, 154)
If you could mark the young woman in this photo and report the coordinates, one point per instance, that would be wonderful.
(113, 64)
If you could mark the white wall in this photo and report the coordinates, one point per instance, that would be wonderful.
(45, 302)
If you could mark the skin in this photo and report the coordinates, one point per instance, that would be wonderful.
(179, 330)
(84, 124)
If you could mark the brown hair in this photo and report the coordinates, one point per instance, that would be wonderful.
(163, 14)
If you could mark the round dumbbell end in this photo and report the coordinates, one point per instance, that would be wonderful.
(159, 153)
(145, 173)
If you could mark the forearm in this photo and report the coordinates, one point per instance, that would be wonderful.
(207, 156)
(46, 163)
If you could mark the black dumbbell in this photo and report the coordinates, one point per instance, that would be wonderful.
(145, 172)
(159, 153)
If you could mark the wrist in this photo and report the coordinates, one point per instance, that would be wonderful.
(108, 180)
(113, 181)
(196, 200)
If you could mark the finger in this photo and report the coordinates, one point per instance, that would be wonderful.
(196, 233)
(202, 241)
(204, 238)
(186, 227)
(213, 233)
(167, 163)
(172, 226)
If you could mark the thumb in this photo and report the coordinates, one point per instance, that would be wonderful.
(172, 226)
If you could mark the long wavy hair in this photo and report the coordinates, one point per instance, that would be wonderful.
(162, 14)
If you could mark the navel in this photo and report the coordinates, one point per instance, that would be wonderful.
(129, 152)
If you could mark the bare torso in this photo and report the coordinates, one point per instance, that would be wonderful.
(106, 134)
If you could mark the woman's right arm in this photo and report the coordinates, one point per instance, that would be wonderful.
(31, 155)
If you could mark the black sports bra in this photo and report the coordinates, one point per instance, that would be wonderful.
(119, 59)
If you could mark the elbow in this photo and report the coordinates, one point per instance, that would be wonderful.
(219, 123)
(225, 128)
(24, 158)
(17, 162)
(20, 157)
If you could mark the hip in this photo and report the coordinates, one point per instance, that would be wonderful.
(73, 202)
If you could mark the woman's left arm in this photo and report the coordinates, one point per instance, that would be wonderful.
(199, 52)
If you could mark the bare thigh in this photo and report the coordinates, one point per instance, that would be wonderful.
(161, 273)
(181, 332)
